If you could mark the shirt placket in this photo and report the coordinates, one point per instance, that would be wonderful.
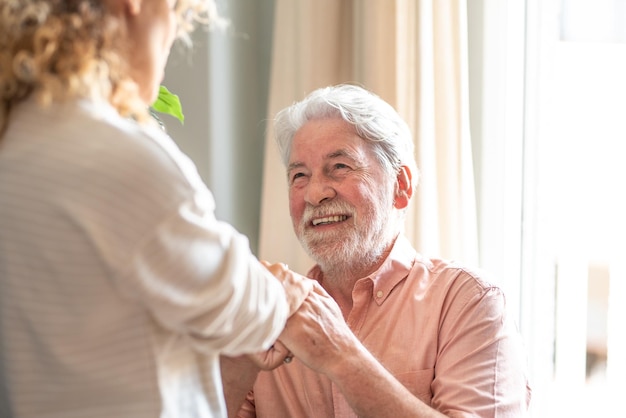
(361, 299)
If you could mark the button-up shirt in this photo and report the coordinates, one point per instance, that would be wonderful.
(442, 331)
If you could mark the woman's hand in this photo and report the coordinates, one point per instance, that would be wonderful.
(296, 286)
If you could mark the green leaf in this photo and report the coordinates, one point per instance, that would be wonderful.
(169, 103)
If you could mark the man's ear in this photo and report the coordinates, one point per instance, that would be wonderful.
(404, 188)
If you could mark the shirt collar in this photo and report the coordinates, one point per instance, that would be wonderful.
(394, 269)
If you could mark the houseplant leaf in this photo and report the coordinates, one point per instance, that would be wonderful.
(169, 103)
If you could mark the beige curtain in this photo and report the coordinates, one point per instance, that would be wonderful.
(412, 53)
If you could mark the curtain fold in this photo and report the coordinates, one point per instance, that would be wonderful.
(412, 53)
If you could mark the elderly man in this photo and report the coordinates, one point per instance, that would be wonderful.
(403, 335)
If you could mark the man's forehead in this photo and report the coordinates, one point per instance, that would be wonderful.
(352, 151)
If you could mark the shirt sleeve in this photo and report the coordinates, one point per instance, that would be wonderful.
(481, 366)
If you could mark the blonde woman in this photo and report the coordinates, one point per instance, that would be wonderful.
(119, 289)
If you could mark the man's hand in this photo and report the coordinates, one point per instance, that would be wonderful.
(317, 333)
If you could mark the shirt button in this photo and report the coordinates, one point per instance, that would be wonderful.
(379, 294)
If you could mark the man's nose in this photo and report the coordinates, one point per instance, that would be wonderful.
(319, 190)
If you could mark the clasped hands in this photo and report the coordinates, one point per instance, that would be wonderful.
(315, 332)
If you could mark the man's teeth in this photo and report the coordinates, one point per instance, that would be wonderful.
(329, 220)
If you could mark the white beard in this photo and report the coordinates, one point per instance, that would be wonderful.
(355, 245)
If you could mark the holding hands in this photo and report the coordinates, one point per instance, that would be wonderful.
(315, 330)
(317, 334)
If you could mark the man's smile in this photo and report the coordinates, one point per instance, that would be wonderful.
(329, 220)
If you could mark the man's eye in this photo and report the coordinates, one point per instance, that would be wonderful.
(296, 176)
(340, 166)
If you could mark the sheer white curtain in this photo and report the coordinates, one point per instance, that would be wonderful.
(412, 53)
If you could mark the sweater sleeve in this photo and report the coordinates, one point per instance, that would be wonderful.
(195, 274)
(199, 278)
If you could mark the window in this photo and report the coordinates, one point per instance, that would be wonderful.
(551, 136)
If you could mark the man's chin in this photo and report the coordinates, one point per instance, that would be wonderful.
(318, 250)
(329, 253)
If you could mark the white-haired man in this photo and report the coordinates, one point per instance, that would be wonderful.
(403, 335)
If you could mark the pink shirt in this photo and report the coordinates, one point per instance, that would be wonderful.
(441, 330)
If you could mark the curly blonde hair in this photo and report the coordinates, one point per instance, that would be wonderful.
(60, 49)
